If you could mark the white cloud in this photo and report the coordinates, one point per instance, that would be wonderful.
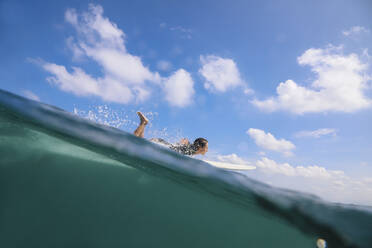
(269, 142)
(179, 88)
(340, 85)
(125, 78)
(95, 29)
(82, 84)
(231, 158)
(30, 95)
(316, 133)
(221, 74)
(270, 166)
(71, 16)
(164, 65)
(331, 185)
(124, 75)
(76, 51)
(247, 91)
(355, 30)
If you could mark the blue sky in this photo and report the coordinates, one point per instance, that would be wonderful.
(283, 85)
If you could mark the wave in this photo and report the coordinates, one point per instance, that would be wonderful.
(67, 181)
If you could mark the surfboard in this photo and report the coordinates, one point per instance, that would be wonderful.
(230, 166)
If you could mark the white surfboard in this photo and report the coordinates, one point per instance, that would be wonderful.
(230, 166)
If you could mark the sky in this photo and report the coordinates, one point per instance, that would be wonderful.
(285, 86)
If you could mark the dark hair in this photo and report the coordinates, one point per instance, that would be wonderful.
(199, 143)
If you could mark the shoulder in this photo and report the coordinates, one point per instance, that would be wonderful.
(184, 149)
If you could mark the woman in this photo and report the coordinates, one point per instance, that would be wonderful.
(200, 145)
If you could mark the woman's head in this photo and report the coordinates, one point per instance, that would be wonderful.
(200, 146)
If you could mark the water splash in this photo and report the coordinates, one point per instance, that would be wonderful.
(128, 120)
(105, 115)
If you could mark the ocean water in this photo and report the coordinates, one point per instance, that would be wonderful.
(68, 182)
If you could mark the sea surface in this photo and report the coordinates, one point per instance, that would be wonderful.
(69, 182)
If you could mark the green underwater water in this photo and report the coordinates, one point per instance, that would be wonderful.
(56, 194)
(69, 182)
